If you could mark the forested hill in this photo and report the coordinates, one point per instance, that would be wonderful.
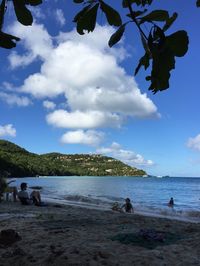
(18, 162)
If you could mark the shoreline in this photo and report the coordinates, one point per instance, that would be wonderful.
(70, 235)
(97, 207)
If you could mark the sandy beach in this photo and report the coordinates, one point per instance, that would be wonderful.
(68, 235)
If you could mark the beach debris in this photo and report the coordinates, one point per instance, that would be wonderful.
(151, 234)
(36, 187)
(8, 237)
(13, 253)
(104, 254)
(55, 251)
(57, 206)
(147, 238)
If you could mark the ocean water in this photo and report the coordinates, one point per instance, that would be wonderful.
(149, 196)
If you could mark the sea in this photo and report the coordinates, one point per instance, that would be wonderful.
(149, 195)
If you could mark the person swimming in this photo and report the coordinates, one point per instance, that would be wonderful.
(171, 202)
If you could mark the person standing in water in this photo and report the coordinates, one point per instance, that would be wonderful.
(171, 203)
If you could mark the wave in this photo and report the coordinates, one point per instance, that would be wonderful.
(111, 198)
(105, 202)
(85, 199)
(184, 215)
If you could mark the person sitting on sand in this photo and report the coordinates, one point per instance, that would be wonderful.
(171, 203)
(128, 206)
(25, 199)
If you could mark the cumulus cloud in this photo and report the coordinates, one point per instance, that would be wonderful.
(60, 17)
(36, 41)
(8, 86)
(37, 12)
(194, 143)
(88, 137)
(88, 119)
(7, 130)
(126, 156)
(49, 105)
(98, 91)
(13, 99)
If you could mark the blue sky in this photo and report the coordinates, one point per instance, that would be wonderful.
(73, 94)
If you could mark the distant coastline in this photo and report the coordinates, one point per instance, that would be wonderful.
(18, 162)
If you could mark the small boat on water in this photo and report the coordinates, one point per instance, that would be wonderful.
(162, 176)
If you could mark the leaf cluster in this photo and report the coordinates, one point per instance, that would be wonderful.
(23, 15)
(160, 49)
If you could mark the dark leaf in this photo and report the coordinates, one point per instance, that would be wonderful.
(33, 2)
(163, 63)
(125, 2)
(156, 15)
(81, 13)
(137, 2)
(116, 37)
(2, 12)
(113, 17)
(170, 21)
(178, 42)
(198, 3)
(145, 45)
(144, 61)
(158, 37)
(164, 59)
(150, 41)
(8, 41)
(88, 20)
(24, 16)
(78, 1)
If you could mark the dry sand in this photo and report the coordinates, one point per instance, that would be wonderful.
(66, 235)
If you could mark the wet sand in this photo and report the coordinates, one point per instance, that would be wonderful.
(71, 235)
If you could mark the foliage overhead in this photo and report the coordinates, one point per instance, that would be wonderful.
(160, 49)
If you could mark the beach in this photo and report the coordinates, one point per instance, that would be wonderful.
(70, 235)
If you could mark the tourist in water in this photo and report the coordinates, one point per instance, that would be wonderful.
(128, 207)
(171, 203)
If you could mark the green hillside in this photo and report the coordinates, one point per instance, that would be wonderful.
(18, 162)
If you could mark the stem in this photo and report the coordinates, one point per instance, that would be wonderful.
(2, 12)
(135, 20)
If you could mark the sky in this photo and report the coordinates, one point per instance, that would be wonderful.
(70, 93)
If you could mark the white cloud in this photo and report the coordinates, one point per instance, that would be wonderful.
(36, 41)
(49, 105)
(20, 60)
(98, 91)
(13, 99)
(8, 86)
(60, 17)
(194, 143)
(87, 119)
(7, 130)
(89, 137)
(126, 156)
(37, 12)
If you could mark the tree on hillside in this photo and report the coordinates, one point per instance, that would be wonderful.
(160, 49)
